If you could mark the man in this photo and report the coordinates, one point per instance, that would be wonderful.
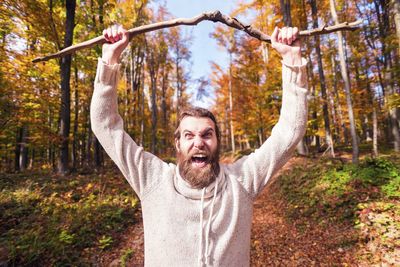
(199, 212)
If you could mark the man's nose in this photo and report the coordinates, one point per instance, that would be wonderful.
(198, 142)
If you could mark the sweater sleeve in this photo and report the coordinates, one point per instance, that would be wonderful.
(141, 169)
(254, 171)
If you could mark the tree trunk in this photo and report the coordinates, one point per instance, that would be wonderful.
(285, 9)
(164, 88)
(382, 12)
(23, 156)
(142, 118)
(97, 153)
(287, 20)
(153, 70)
(76, 114)
(32, 158)
(88, 156)
(396, 18)
(17, 150)
(343, 70)
(136, 73)
(374, 116)
(394, 120)
(65, 68)
(316, 138)
(302, 148)
(332, 105)
(21, 151)
(226, 127)
(178, 83)
(231, 105)
(335, 97)
(328, 135)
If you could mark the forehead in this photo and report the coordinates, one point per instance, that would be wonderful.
(196, 124)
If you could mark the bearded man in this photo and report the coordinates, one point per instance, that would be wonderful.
(198, 212)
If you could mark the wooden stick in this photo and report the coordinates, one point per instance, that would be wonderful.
(214, 16)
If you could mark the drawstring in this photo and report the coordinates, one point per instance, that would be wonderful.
(209, 221)
(207, 256)
(201, 227)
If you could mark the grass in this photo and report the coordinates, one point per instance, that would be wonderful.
(61, 221)
(366, 196)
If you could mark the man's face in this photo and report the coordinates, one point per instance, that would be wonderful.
(197, 150)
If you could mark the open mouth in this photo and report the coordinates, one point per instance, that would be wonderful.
(199, 161)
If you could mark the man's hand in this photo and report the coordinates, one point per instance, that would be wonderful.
(287, 44)
(117, 38)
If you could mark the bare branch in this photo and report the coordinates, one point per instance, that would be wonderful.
(214, 16)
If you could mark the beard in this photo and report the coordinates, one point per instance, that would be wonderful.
(199, 177)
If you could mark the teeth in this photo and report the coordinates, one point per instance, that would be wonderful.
(200, 156)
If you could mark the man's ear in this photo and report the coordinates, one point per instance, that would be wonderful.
(177, 145)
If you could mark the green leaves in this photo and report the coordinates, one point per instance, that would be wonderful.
(105, 242)
(43, 221)
(364, 196)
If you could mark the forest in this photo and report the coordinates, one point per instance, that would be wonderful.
(64, 203)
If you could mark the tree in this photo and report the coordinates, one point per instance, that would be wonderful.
(226, 38)
(65, 73)
(328, 134)
(180, 55)
(345, 77)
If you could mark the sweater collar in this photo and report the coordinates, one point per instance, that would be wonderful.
(185, 189)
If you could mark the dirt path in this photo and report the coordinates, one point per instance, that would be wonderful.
(275, 241)
(278, 242)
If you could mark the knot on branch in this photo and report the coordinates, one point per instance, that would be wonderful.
(214, 16)
(322, 28)
(241, 24)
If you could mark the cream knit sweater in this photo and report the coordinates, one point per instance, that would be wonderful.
(190, 227)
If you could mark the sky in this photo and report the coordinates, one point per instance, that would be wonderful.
(203, 48)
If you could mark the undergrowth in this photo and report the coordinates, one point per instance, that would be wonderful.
(366, 196)
(47, 220)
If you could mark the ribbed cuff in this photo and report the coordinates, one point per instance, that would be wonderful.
(296, 73)
(107, 74)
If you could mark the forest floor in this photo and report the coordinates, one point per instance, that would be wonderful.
(284, 237)
(316, 211)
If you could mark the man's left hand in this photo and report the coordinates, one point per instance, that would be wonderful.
(287, 44)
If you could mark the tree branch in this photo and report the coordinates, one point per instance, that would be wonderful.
(214, 16)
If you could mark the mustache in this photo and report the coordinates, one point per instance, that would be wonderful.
(207, 153)
(199, 151)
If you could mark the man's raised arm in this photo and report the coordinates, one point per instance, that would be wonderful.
(141, 169)
(254, 171)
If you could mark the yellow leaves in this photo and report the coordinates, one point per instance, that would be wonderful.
(393, 101)
(89, 186)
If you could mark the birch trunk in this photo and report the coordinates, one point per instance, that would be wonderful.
(231, 105)
(343, 70)
(328, 134)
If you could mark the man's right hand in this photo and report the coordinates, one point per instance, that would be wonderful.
(117, 40)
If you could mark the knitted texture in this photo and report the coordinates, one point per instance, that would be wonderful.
(178, 227)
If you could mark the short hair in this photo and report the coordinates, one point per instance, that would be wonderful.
(199, 113)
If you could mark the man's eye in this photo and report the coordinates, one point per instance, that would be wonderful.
(188, 136)
(207, 135)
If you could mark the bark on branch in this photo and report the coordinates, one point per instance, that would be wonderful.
(214, 16)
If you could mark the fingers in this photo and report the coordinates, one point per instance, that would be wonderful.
(295, 34)
(286, 35)
(274, 36)
(114, 33)
(283, 36)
